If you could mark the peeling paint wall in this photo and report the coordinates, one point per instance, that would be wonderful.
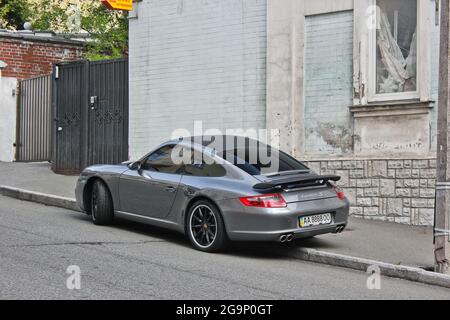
(328, 83)
(318, 66)
(409, 135)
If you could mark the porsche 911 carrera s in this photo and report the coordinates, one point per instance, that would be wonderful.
(225, 193)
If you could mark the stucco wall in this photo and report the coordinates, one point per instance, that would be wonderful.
(7, 118)
(195, 60)
(294, 107)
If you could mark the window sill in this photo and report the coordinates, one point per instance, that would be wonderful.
(392, 108)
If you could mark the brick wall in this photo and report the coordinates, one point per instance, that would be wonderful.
(195, 60)
(399, 191)
(328, 82)
(28, 59)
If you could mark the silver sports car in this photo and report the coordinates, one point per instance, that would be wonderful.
(216, 192)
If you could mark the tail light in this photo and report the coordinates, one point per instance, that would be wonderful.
(340, 193)
(264, 201)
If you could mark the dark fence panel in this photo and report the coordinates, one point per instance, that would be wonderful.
(33, 141)
(108, 116)
(90, 104)
(68, 123)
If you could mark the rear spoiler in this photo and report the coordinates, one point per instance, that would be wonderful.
(310, 180)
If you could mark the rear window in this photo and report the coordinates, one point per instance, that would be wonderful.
(262, 160)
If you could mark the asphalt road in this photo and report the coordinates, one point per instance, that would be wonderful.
(132, 261)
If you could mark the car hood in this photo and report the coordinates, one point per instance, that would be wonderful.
(109, 168)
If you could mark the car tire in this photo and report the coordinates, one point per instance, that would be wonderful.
(101, 204)
(200, 232)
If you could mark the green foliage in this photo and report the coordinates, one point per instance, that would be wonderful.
(107, 29)
(13, 14)
(111, 39)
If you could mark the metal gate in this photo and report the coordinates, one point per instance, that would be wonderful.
(33, 135)
(90, 105)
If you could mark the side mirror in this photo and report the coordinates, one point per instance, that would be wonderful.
(135, 166)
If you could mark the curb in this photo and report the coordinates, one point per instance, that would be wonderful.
(42, 198)
(362, 264)
(304, 254)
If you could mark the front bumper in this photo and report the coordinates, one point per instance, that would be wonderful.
(257, 224)
(79, 192)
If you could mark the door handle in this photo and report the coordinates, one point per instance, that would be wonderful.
(170, 189)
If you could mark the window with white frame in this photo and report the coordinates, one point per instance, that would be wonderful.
(394, 55)
(396, 47)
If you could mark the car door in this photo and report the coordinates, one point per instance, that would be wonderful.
(151, 190)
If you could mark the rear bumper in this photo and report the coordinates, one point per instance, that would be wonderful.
(256, 224)
(275, 235)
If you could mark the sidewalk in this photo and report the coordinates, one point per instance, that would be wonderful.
(381, 241)
(37, 177)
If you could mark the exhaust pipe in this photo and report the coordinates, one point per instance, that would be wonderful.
(286, 238)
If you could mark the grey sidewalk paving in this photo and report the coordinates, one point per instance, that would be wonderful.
(386, 242)
(37, 177)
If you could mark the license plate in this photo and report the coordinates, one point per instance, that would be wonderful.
(316, 220)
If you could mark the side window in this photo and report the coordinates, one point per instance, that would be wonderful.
(198, 167)
(161, 161)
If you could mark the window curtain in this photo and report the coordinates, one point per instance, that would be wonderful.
(401, 71)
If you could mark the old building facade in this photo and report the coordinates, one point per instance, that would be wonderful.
(352, 85)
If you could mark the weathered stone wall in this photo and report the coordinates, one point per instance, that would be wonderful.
(400, 191)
